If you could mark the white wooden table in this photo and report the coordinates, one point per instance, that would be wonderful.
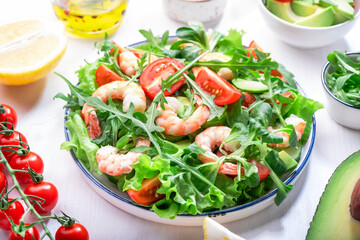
(41, 121)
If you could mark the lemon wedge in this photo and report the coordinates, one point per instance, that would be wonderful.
(29, 50)
(215, 231)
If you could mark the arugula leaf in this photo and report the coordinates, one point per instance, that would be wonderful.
(75, 99)
(215, 110)
(239, 63)
(288, 76)
(342, 63)
(97, 103)
(344, 82)
(152, 113)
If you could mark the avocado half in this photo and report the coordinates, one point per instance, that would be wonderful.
(332, 219)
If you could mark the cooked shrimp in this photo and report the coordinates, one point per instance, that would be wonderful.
(113, 163)
(225, 73)
(299, 126)
(176, 126)
(122, 90)
(128, 61)
(213, 137)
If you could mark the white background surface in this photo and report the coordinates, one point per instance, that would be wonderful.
(40, 119)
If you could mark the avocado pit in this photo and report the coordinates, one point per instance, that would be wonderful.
(355, 202)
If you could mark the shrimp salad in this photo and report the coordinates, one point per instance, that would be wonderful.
(189, 124)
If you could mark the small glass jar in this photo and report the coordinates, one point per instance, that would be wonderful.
(90, 18)
(195, 10)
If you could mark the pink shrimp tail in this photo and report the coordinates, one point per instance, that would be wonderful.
(88, 114)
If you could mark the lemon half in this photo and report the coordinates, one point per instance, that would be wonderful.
(29, 50)
(215, 231)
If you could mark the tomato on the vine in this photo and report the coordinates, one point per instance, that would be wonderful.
(31, 234)
(14, 212)
(3, 182)
(8, 114)
(13, 139)
(45, 190)
(32, 160)
(161, 69)
(213, 84)
(73, 232)
(147, 194)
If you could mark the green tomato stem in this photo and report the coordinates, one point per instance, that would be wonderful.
(25, 197)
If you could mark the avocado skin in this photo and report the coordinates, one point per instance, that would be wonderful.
(332, 219)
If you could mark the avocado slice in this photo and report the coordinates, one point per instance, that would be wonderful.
(322, 18)
(343, 12)
(282, 10)
(303, 9)
(288, 160)
(332, 219)
(343, 9)
(250, 86)
(294, 152)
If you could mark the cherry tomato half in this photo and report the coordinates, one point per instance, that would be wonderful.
(161, 69)
(147, 194)
(253, 45)
(262, 170)
(3, 182)
(32, 160)
(213, 84)
(31, 234)
(13, 139)
(74, 232)
(104, 75)
(46, 191)
(15, 211)
(8, 115)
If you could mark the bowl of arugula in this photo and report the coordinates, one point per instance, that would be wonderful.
(341, 80)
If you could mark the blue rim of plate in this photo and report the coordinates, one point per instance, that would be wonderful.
(217, 212)
(323, 81)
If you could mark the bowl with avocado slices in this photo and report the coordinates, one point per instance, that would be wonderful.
(341, 80)
(310, 23)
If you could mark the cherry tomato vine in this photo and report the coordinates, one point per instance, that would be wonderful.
(25, 169)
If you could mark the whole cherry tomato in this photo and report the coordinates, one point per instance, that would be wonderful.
(3, 182)
(32, 160)
(15, 211)
(8, 114)
(74, 232)
(31, 234)
(45, 190)
(13, 139)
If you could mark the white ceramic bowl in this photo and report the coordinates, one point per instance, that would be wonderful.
(306, 37)
(111, 193)
(341, 112)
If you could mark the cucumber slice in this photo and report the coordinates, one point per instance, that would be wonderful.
(250, 86)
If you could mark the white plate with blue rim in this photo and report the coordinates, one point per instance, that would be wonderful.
(110, 192)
